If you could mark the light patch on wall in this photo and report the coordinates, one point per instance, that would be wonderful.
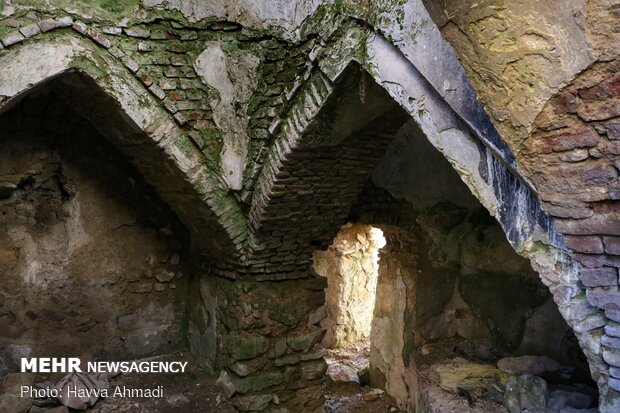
(351, 266)
(233, 76)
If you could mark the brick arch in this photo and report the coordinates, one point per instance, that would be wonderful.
(458, 127)
(122, 110)
(335, 135)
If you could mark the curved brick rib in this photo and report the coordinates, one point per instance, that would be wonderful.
(157, 148)
(328, 146)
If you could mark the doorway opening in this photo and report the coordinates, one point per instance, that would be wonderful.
(351, 265)
(460, 321)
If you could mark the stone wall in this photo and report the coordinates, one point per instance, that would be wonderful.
(447, 271)
(517, 54)
(392, 353)
(265, 337)
(555, 97)
(350, 265)
(573, 157)
(92, 261)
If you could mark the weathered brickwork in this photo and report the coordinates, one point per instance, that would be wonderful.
(269, 153)
(315, 172)
(555, 100)
(572, 157)
(375, 206)
(161, 54)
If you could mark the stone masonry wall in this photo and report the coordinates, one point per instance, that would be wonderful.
(555, 99)
(92, 262)
(573, 157)
(268, 337)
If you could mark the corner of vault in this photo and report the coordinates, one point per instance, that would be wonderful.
(113, 99)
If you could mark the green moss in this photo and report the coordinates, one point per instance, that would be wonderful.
(256, 101)
(185, 145)
(144, 102)
(124, 7)
(580, 296)
(4, 30)
(116, 6)
(498, 4)
(211, 134)
(538, 246)
(321, 13)
(99, 9)
(89, 67)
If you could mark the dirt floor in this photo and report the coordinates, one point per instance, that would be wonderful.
(352, 401)
(195, 392)
(347, 387)
(345, 395)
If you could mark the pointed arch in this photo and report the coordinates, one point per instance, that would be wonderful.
(102, 91)
(459, 129)
(334, 137)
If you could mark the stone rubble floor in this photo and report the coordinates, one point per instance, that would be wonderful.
(440, 400)
(442, 355)
(344, 391)
(352, 401)
(196, 392)
(345, 394)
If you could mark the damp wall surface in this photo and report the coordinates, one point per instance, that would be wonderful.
(448, 271)
(91, 261)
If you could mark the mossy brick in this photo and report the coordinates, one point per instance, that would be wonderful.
(257, 382)
(188, 36)
(287, 360)
(246, 347)
(304, 342)
(138, 32)
(159, 34)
